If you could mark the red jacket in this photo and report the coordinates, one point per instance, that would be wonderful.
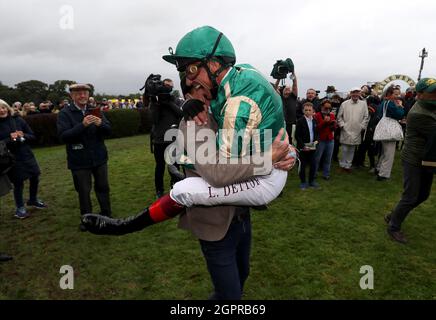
(326, 129)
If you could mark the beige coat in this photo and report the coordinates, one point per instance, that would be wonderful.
(352, 119)
(212, 223)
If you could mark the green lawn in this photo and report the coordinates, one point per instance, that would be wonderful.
(308, 245)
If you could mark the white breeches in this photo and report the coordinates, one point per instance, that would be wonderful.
(256, 191)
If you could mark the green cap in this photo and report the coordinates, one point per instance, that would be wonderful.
(199, 44)
(426, 85)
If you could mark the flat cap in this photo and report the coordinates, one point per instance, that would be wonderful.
(79, 86)
(354, 89)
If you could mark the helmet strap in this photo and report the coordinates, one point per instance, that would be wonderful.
(214, 76)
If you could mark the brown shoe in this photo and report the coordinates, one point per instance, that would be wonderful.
(397, 236)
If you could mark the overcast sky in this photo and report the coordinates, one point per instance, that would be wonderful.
(115, 44)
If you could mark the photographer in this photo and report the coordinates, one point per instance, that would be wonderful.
(15, 132)
(288, 94)
(165, 114)
(289, 99)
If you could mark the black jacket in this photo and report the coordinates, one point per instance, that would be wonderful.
(165, 114)
(85, 145)
(21, 150)
(290, 109)
(25, 165)
(302, 133)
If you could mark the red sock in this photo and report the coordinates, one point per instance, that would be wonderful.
(164, 208)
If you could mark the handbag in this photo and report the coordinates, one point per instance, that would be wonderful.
(7, 159)
(388, 129)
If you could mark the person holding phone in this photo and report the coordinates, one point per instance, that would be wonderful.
(83, 129)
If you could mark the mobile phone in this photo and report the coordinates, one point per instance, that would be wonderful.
(94, 112)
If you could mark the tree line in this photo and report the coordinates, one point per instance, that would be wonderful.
(38, 91)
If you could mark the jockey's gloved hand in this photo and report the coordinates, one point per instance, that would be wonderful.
(192, 108)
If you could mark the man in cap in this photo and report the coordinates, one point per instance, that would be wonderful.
(417, 174)
(84, 135)
(352, 119)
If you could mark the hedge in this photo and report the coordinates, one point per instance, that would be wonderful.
(124, 123)
(44, 127)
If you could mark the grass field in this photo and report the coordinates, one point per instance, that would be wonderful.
(309, 244)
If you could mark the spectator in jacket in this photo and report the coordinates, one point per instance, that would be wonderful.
(312, 97)
(394, 109)
(16, 133)
(84, 135)
(306, 135)
(336, 101)
(352, 119)
(417, 179)
(326, 123)
(289, 99)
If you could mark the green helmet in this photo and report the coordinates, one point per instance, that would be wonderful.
(202, 44)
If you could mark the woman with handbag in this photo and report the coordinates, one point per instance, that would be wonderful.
(388, 130)
(15, 132)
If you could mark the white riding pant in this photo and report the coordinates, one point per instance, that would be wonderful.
(256, 191)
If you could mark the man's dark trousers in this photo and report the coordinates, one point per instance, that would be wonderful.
(228, 260)
(83, 184)
(159, 172)
(417, 182)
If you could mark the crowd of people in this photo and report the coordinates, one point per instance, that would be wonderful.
(319, 127)
(224, 96)
(30, 108)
